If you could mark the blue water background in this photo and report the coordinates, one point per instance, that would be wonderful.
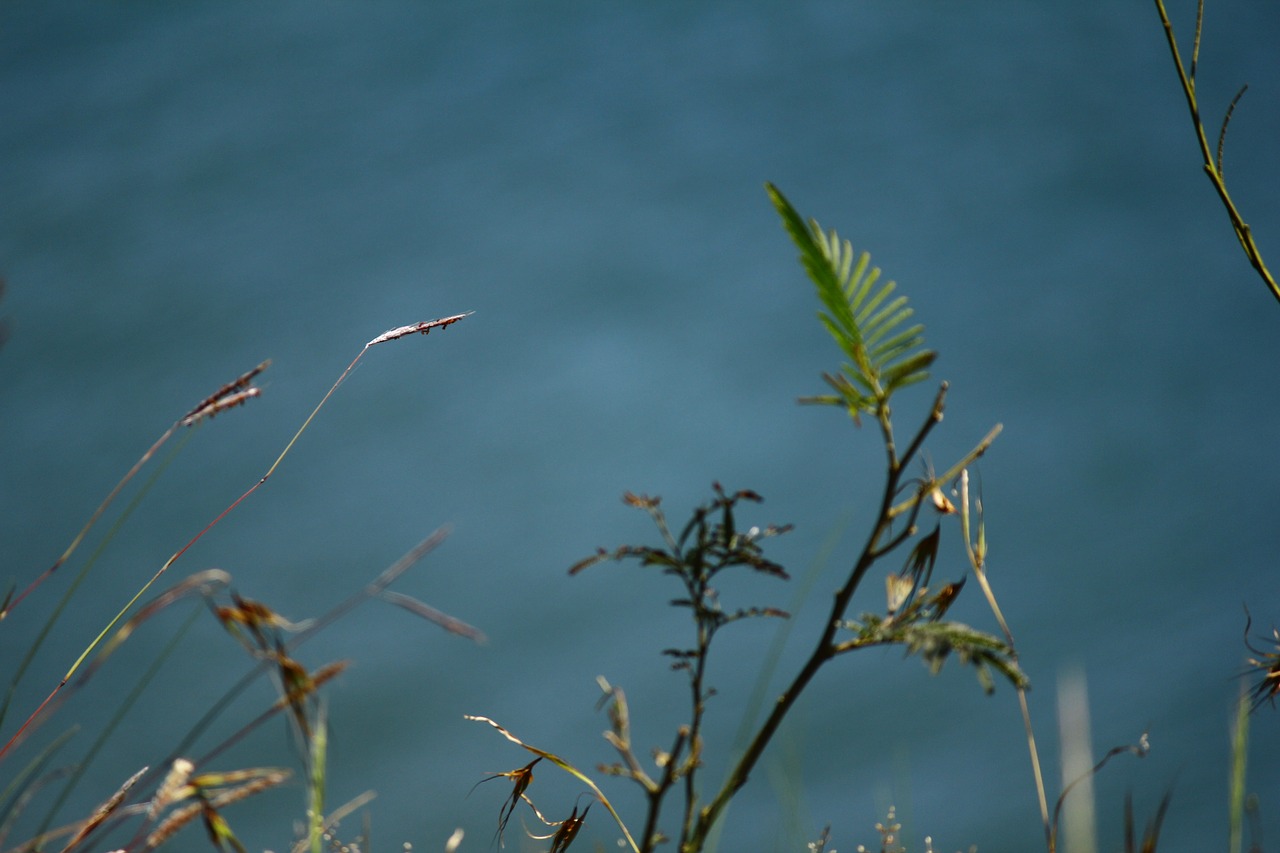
(187, 189)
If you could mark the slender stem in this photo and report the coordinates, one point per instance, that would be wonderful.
(656, 793)
(825, 648)
(698, 700)
(977, 559)
(93, 519)
(1243, 233)
(1035, 764)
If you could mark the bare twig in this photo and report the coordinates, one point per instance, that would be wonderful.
(1212, 164)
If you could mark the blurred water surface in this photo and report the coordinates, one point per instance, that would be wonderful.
(188, 189)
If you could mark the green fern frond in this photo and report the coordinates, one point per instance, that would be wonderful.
(863, 316)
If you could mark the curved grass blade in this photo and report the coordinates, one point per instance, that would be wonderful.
(568, 768)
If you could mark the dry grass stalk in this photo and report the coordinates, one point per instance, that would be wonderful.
(269, 779)
(451, 624)
(222, 403)
(104, 811)
(565, 766)
(175, 821)
(521, 778)
(421, 328)
(231, 388)
(175, 780)
(208, 798)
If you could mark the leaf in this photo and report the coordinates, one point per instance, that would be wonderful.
(860, 313)
(935, 641)
(910, 371)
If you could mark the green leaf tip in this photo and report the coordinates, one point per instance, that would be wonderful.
(860, 313)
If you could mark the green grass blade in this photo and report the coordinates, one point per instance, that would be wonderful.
(315, 783)
(1239, 760)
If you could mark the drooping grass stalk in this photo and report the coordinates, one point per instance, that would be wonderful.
(1213, 165)
(976, 548)
(1085, 780)
(372, 590)
(230, 395)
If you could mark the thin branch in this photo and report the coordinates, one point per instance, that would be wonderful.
(826, 648)
(1212, 165)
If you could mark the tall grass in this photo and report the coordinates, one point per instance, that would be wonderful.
(154, 803)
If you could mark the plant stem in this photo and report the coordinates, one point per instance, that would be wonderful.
(977, 559)
(1212, 166)
(826, 647)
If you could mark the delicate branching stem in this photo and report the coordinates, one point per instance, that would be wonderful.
(860, 315)
(1212, 165)
(878, 544)
(1140, 749)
